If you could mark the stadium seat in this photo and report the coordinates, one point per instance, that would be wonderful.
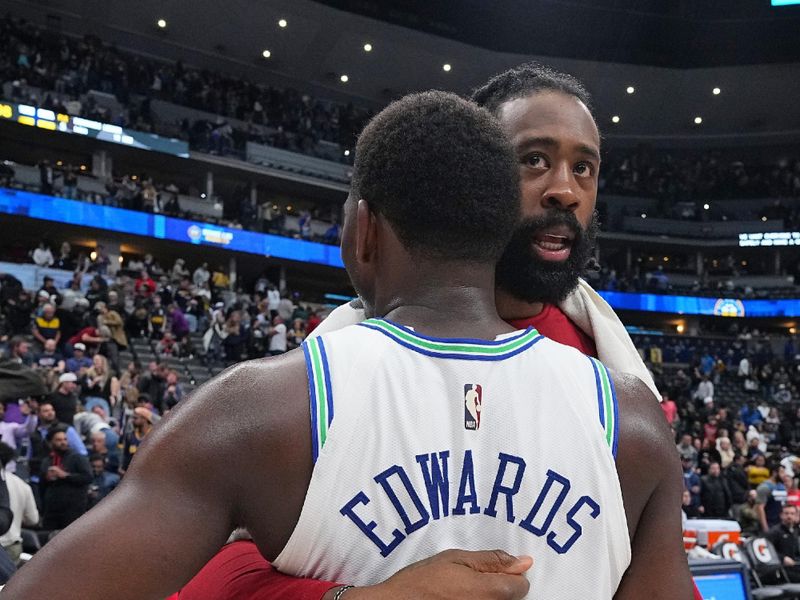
(764, 562)
(732, 551)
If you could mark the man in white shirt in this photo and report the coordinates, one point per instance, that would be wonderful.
(277, 336)
(22, 505)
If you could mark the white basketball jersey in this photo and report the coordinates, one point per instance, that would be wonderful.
(424, 444)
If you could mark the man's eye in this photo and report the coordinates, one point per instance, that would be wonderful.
(534, 160)
(584, 169)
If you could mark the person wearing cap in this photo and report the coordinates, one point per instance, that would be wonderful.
(89, 337)
(42, 298)
(47, 326)
(79, 361)
(142, 424)
(64, 399)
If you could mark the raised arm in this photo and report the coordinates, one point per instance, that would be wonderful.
(652, 484)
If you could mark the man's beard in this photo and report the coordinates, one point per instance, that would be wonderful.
(524, 275)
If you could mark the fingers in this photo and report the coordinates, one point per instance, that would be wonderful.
(491, 561)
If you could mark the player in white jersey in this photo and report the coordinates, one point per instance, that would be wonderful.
(435, 198)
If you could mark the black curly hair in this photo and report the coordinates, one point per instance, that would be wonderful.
(527, 79)
(440, 169)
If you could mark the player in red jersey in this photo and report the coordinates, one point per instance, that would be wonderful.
(547, 117)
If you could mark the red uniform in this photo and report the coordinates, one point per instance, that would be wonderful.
(239, 572)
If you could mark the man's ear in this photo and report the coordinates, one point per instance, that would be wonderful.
(366, 232)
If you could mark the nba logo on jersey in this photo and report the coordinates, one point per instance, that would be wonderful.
(473, 397)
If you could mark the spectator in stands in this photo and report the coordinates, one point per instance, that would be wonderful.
(750, 415)
(748, 516)
(687, 450)
(138, 323)
(705, 389)
(70, 296)
(157, 318)
(49, 286)
(106, 449)
(70, 178)
(273, 300)
(103, 481)
(201, 276)
(715, 495)
(65, 477)
(172, 394)
(725, 450)
(145, 286)
(65, 260)
(670, 409)
(770, 497)
(277, 336)
(88, 336)
(296, 335)
(113, 320)
(236, 335)
(178, 325)
(47, 177)
(47, 326)
(153, 382)
(784, 536)
(42, 255)
(79, 363)
(691, 480)
(98, 291)
(220, 280)
(99, 382)
(736, 477)
(22, 504)
(142, 424)
(692, 511)
(64, 399)
(49, 360)
(12, 434)
(19, 351)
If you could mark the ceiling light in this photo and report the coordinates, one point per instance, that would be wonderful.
(680, 328)
(266, 54)
(282, 23)
(644, 215)
(615, 119)
(698, 120)
(446, 67)
(347, 152)
(706, 206)
(630, 89)
(716, 91)
(162, 24)
(344, 79)
(367, 47)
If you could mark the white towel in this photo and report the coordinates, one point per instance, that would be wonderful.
(585, 307)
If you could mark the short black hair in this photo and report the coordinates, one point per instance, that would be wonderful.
(524, 80)
(55, 429)
(442, 172)
(6, 454)
(95, 456)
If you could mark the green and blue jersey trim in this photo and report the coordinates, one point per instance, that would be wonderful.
(320, 393)
(455, 348)
(607, 408)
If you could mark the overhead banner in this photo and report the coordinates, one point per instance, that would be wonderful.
(693, 305)
(49, 120)
(74, 212)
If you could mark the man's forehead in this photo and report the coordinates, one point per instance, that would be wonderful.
(549, 115)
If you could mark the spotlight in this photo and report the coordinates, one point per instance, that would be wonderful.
(282, 23)
(706, 206)
(716, 91)
(698, 120)
(93, 255)
(347, 152)
(615, 119)
(367, 47)
(680, 328)
(344, 79)
(446, 67)
(644, 215)
(630, 89)
(162, 24)
(266, 54)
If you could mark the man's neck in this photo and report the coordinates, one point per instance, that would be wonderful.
(459, 303)
(511, 308)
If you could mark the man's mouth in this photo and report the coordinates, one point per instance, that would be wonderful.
(553, 243)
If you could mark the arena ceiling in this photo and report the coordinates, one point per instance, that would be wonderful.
(672, 52)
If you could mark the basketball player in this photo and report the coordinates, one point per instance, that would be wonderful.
(421, 253)
(548, 114)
